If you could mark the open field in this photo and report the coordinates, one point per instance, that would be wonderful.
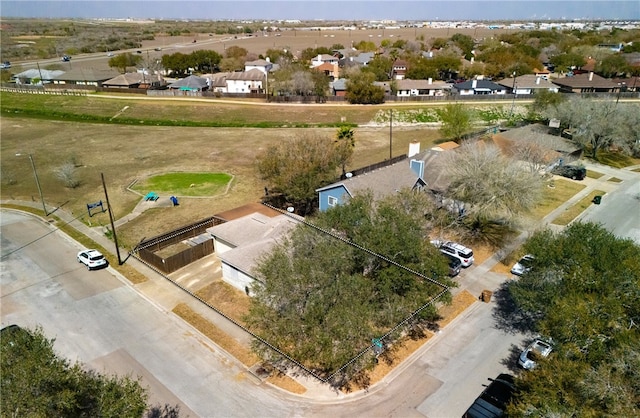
(127, 153)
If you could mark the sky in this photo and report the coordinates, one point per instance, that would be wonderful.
(415, 10)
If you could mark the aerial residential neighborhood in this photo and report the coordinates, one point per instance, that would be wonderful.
(276, 217)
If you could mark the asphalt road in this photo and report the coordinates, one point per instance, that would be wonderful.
(98, 319)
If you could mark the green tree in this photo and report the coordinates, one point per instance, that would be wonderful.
(345, 143)
(567, 61)
(324, 300)
(455, 121)
(381, 67)
(612, 66)
(236, 52)
(178, 63)
(465, 43)
(583, 292)
(124, 60)
(361, 90)
(297, 167)
(36, 382)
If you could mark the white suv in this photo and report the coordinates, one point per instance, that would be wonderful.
(462, 253)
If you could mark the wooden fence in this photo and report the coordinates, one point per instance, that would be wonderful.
(146, 250)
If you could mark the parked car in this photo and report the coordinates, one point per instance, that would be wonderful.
(462, 253)
(66, 58)
(93, 259)
(454, 264)
(5, 65)
(523, 265)
(570, 171)
(537, 349)
(494, 399)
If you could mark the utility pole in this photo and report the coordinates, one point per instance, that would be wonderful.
(35, 174)
(390, 133)
(113, 227)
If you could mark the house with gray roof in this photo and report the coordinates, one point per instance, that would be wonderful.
(191, 83)
(36, 77)
(418, 171)
(241, 242)
(478, 87)
(84, 77)
(410, 88)
(528, 84)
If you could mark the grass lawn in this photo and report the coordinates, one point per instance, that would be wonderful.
(556, 193)
(573, 211)
(185, 184)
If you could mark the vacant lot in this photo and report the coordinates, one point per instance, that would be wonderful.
(127, 153)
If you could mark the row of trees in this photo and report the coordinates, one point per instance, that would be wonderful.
(583, 292)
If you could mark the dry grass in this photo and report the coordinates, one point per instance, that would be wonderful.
(126, 153)
(231, 346)
(285, 382)
(226, 298)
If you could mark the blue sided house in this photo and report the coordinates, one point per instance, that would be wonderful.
(417, 171)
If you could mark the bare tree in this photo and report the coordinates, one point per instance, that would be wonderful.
(66, 173)
(490, 185)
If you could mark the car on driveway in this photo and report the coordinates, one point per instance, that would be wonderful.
(523, 265)
(93, 259)
(454, 264)
(570, 171)
(536, 350)
(462, 253)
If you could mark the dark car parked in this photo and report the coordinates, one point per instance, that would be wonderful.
(494, 399)
(454, 264)
(570, 171)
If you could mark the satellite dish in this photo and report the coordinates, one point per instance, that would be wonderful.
(290, 209)
(348, 175)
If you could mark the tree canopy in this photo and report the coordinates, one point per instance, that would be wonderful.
(322, 300)
(361, 90)
(36, 382)
(583, 292)
(297, 167)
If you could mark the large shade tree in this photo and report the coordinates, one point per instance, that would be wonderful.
(322, 300)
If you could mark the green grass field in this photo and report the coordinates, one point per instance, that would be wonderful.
(185, 184)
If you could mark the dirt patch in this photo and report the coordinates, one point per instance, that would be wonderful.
(227, 299)
(234, 348)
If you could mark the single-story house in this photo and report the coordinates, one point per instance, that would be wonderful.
(478, 87)
(419, 171)
(408, 88)
(84, 77)
(241, 242)
(339, 87)
(528, 84)
(36, 76)
(586, 83)
(135, 80)
(191, 83)
(558, 146)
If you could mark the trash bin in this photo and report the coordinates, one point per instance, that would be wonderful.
(597, 200)
(486, 296)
